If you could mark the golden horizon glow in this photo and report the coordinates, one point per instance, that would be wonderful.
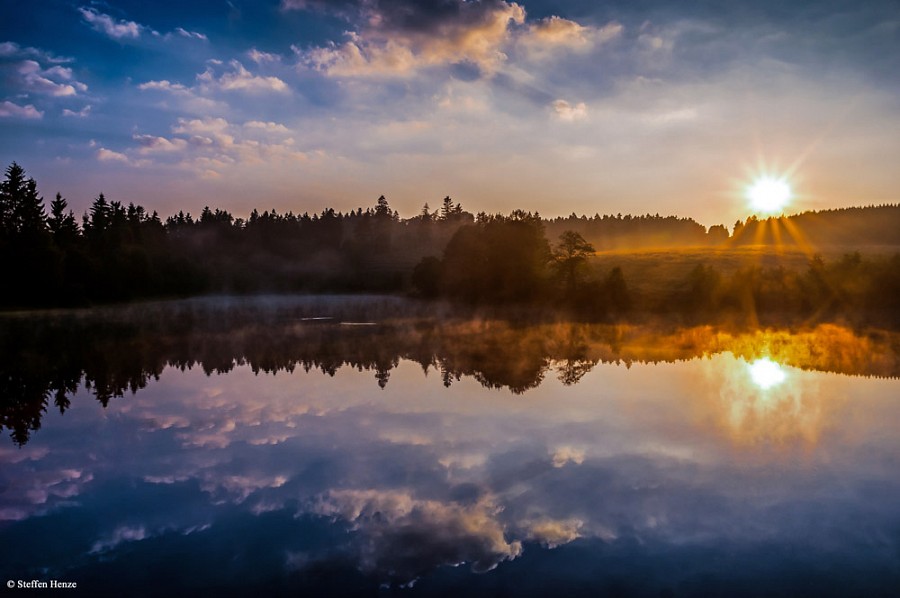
(769, 195)
(766, 373)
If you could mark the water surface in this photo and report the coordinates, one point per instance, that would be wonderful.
(370, 446)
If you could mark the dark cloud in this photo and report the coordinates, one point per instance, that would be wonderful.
(410, 16)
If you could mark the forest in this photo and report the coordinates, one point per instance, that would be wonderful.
(117, 253)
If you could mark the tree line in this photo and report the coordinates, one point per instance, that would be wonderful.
(123, 252)
(120, 252)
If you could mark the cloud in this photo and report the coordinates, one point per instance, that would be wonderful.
(191, 98)
(190, 34)
(152, 144)
(118, 536)
(271, 127)
(26, 79)
(10, 49)
(568, 112)
(44, 488)
(83, 113)
(10, 110)
(106, 24)
(33, 78)
(404, 537)
(211, 147)
(555, 32)
(122, 29)
(262, 57)
(240, 79)
(568, 454)
(553, 533)
(107, 155)
(399, 38)
(164, 85)
(555, 37)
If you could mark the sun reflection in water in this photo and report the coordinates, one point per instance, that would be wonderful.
(765, 373)
(760, 402)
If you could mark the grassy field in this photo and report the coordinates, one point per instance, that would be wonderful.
(649, 272)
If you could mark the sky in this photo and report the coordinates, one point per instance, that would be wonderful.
(632, 107)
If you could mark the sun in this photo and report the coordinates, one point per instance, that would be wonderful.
(769, 195)
(765, 373)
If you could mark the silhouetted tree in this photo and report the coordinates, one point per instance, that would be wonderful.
(500, 259)
(570, 258)
(62, 223)
(717, 234)
(26, 248)
(446, 208)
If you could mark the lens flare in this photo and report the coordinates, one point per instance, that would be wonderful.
(765, 373)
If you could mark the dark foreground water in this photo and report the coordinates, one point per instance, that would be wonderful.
(320, 447)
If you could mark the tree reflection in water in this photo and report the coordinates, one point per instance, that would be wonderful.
(46, 357)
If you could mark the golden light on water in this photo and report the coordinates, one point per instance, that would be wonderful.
(769, 195)
(765, 373)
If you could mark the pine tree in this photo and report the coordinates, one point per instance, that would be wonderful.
(446, 208)
(383, 208)
(11, 190)
(21, 208)
(62, 224)
(99, 220)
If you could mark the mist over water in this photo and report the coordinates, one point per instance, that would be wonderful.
(266, 445)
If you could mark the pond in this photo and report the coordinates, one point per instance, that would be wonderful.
(373, 446)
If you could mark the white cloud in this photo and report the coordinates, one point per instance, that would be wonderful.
(270, 127)
(190, 34)
(152, 144)
(555, 31)
(262, 57)
(568, 112)
(164, 85)
(107, 155)
(106, 24)
(240, 79)
(8, 109)
(210, 147)
(83, 113)
(190, 99)
(35, 79)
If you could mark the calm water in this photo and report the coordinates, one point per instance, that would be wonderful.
(327, 447)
